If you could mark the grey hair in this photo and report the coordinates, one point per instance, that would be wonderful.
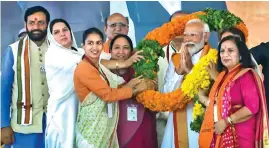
(206, 27)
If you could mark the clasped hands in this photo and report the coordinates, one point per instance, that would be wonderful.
(185, 65)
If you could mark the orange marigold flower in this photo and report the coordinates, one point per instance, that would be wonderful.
(170, 30)
(241, 26)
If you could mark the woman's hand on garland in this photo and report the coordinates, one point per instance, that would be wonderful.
(136, 57)
(203, 96)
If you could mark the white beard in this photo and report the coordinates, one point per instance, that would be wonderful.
(196, 47)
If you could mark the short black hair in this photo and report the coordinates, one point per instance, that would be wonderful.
(53, 22)
(234, 31)
(177, 12)
(36, 9)
(127, 19)
(92, 30)
(121, 36)
(243, 52)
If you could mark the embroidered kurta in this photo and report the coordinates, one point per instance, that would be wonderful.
(9, 91)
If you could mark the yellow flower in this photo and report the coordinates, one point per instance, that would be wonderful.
(198, 78)
(198, 110)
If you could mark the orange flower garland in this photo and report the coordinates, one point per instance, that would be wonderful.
(155, 100)
(170, 30)
(241, 26)
(198, 78)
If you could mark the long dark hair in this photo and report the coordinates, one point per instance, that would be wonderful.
(121, 36)
(243, 52)
(236, 32)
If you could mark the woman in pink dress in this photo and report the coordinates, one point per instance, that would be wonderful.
(236, 114)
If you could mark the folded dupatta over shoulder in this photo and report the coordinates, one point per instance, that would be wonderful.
(228, 138)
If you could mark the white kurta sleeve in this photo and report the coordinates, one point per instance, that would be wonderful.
(172, 80)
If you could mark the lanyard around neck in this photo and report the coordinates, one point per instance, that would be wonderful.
(98, 69)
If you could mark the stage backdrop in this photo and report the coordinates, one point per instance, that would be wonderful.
(256, 17)
(144, 16)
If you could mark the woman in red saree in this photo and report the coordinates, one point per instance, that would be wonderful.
(236, 114)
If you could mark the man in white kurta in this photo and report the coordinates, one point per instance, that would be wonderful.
(196, 35)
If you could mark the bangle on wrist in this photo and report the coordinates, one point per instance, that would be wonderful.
(230, 121)
(117, 65)
(226, 122)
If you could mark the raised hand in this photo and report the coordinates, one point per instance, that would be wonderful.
(187, 61)
(135, 58)
(212, 70)
(203, 96)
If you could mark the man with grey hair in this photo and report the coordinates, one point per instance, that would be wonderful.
(178, 132)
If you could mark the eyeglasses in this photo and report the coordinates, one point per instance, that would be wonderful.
(120, 24)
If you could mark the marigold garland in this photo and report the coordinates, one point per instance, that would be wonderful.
(198, 110)
(197, 115)
(170, 30)
(198, 78)
(241, 26)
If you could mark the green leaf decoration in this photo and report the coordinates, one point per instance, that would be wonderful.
(148, 68)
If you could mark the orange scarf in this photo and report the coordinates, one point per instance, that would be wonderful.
(106, 46)
(180, 116)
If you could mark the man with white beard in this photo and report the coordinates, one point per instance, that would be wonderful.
(178, 132)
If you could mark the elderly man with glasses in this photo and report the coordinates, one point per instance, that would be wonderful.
(115, 24)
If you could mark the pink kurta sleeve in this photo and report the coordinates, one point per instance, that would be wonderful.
(249, 90)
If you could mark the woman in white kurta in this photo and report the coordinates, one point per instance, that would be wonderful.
(61, 60)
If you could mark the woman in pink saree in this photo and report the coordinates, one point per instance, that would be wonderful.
(236, 113)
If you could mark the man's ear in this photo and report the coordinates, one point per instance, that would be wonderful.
(105, 28)
(207, 35)
(24, 25)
